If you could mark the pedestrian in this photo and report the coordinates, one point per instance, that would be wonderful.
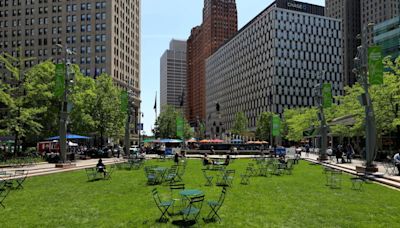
(339, 153)
(176, 158)
(396, 160)
(307, 147)
(349, 152)
(212, 151)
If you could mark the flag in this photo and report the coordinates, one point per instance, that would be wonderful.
(155, 103)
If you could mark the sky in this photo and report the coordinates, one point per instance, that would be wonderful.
(163, 20)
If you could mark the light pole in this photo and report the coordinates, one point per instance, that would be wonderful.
(321, 117)
(361, 70)
(139, 127)
(128, 121)
(64, 104)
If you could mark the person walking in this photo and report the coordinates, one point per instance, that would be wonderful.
(349, 152)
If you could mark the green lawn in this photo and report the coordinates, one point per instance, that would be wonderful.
(297, 200)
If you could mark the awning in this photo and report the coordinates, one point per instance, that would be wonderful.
(69, 136)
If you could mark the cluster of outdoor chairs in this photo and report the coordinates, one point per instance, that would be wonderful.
(266, 167)
(157, 174)
(10, 181)
(93, 173)
(334, 179)
(189, 207)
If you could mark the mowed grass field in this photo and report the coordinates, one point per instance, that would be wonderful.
(298, 200)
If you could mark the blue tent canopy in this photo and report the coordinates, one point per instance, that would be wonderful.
(236, 141)
(69, 136)
(167, 141)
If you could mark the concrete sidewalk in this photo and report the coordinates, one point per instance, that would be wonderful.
(381, 176)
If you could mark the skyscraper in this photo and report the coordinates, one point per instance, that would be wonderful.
(273, 63)
(173, 75)
(349, 14)
(105, 35)
(219, 24)
(355, 15)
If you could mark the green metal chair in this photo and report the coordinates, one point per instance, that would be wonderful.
(3, 194)
(20, 177)
(335, 179)
(357, 183)
(215, 206)
(109, 172)
(91, 173)
(151, 176)
(208, 177)
(192, 211)
(171, 174)
(175, 188)
(289, 166)
(246, 176)
(163, 206)
(181, 170)
(226, 179)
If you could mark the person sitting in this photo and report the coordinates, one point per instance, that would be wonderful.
(101, 168)
(396, 160)
(207, 160)
(227, 160)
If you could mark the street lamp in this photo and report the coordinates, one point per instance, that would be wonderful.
(64, 103)
(321, 117)
(130, 110)
(361, 70)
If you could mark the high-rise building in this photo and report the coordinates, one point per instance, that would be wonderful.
(105, 35)
(377, 11)
(273, 63)
(349, 14)
(387, 35)
(219, 24)
(173, 75)
(356, 15)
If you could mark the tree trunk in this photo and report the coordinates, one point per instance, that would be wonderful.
(16, 142)
(101, 138)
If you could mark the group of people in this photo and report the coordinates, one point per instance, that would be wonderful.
(340, 151)
(209, 161)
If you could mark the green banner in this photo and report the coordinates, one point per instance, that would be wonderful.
(276, 125)
(60, 80)
(375, 65)
(326, 95)
(179, 126)
(124, 101)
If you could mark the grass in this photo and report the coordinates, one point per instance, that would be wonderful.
(297, 200)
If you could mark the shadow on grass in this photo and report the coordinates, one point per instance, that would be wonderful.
(183, 223)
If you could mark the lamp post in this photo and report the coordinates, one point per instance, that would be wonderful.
(64, 103)
(128, 121)
(361, 70)
(321, 117)
(139, 127)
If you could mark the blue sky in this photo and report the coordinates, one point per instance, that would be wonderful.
(163, 20)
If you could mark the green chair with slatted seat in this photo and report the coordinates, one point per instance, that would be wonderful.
(163, 206)
(20, 177)
(177, 199)
(3, 194)
(215, 206)
(208, 177)
(192, 211)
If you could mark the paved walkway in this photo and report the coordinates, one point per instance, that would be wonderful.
(47, 168)
(381, 176)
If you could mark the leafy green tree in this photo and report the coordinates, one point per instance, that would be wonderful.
(298, 120)
(187, 130)
(107, 116)
(83, 98)
(263, 130)
(16, 93)
(167, 122)
(240, 124)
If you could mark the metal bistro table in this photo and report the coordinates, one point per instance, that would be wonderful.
(187, 193)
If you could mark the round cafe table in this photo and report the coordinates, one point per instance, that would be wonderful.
(190, 192)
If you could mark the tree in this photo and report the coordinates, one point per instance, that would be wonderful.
(167, 122)
(16, 96)
(298, 120)
(108, 117)
(240, 124)
(83, 98)
(263, 130)
(187, 130)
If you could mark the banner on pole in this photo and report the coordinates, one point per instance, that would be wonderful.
(60, 80)
(179, 126)
(276, 125)
(327, 95)
(375, 65)
(124, 101)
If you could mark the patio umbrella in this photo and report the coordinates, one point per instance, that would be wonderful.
(236, 141)
(69, 136)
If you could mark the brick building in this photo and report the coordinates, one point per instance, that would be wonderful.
(219, 25)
